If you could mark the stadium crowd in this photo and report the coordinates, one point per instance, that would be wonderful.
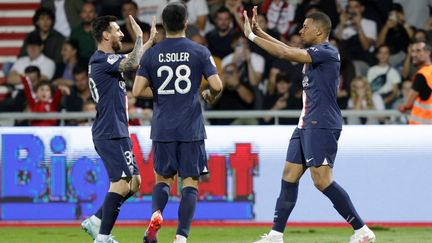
(374, 37)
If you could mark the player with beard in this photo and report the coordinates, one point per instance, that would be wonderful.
(110, 128)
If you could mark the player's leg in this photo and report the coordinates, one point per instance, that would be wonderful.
(293, 170)
(192, 164)
(165, 166)
(321, 148)
(189, 197)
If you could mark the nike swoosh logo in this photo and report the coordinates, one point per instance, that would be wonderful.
(309, 160)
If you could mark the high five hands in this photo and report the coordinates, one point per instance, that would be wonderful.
(253, 26)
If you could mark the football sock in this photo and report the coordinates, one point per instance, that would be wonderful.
(284, 205)
(186, 210)
(160, 196)
(342, 203)
(98, 214)
(110, 211)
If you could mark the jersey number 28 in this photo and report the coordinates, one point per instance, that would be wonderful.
(182, 73)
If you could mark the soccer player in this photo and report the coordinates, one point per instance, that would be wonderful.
(173, 69)
(110, 128)
(313, 143)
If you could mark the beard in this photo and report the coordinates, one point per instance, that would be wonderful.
(117, 46)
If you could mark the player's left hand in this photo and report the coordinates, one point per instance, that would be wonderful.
(153, 30)
(207, 96)
(255, 25)
(247, 27)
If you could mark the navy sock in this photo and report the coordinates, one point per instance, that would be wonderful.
(186, 210)
(284, 205)
(342, 203)
(98, 214)
(160, 196)
(110, 211)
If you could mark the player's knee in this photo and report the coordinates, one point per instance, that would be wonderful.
(121, 187)
(321, 184)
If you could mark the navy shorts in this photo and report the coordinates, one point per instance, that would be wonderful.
(117, 157)
(313, 147)
(188, 159)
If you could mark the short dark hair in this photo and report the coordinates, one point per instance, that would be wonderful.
(34, 39)
(174, 17)
(102, 24)
(223, 9)
(130, 2)
(33, 69)
(79, 68)
(427, 46)
(43, 11)
(74, 44)
(323, 20)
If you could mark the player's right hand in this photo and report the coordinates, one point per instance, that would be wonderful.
(135, 27)
(247, 27)
(255, 25)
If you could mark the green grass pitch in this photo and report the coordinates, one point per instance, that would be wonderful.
(213, 234)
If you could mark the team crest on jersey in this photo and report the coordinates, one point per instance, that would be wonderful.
(314, 49)
(305, 81)
(122, 85)
(112, 58)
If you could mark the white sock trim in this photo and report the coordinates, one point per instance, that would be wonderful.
(102, 237)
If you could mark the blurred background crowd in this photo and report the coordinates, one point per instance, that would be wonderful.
(374, 37)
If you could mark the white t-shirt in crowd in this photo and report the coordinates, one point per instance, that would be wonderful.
(257, 62)
(195, 8)
(61, 23)
(46, 65)
(369, 28)
(282, 18)
(149, 8)
(393, 77)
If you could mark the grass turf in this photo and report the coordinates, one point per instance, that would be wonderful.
(213, 234)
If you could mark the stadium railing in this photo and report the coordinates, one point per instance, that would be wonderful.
(62, 116)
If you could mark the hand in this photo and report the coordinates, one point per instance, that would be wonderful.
(343, 17)
(153, 30)
(135, 27)
(64, 89)
(232, 6)
(255, 25)
(391, 23)
(207, 96)
(281, 103)
(404, 108)
(247, 27)
(356, 20)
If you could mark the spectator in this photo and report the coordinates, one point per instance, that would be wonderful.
(357, 34)
(362, 98)
(383, 78)
(197, 13)
(79, 91)
(67, 14)
(402, 99)
(64, 72)
(235, 96)
(330, 7)
(219, 40)
(419, 97)
(250, 65)
(128, 41)
(83, 33)
(88, 106)
(43, 100)
(396, 34)
(417, 12)
(44, 21)
(282, 100)
(133, 109)
(35, 57)
(280, 15)
(293, 68)
(149, 8)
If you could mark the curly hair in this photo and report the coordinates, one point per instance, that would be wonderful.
(368, 91)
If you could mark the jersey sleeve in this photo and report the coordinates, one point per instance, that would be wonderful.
(144, 64)
(209, 65)
(320, 54)
(112, 62)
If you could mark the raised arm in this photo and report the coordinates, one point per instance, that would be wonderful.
(273, 46)
(131, 62)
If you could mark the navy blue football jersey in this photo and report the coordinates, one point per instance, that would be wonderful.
(174, 68)
(320, 85)
(108, 90)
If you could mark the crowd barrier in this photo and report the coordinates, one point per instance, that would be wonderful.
(54, 173)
